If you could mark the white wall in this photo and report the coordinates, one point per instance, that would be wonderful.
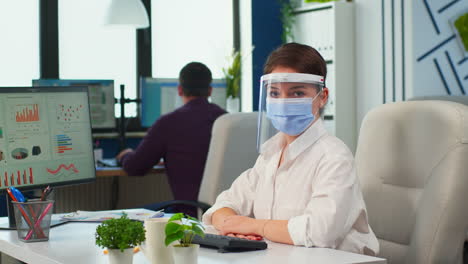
(246, 52)
(435, 44)
(185, 31)
(392, 38)
(368, 57)
(384, 54)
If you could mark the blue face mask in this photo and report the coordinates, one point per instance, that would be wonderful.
(290, 115)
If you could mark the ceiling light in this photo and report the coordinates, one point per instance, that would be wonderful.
(131, 13)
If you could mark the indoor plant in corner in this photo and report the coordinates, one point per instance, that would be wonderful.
(232, 76)
(183, 228)
(119, 236)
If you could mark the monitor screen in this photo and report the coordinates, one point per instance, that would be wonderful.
(160, 96)
(45, 137)
(101, 98)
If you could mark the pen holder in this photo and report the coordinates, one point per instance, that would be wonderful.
(33, 219)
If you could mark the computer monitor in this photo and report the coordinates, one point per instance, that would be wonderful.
(160, 96)
(101, 99)
(45, 137)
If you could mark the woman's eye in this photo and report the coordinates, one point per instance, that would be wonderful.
(274, 94)
(298, 94)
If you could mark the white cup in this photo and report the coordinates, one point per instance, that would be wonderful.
(154, 248)
(97, 155)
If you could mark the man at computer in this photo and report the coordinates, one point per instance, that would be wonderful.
(181, 137)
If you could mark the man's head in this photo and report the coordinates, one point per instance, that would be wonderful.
(195, 80)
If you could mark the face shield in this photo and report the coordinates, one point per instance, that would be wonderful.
(286, 104)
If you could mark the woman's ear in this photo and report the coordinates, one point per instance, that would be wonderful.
(324, 96)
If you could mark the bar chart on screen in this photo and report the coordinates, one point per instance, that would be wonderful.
(64, 143)
(27, 113)
(67, 144)
(16, 177)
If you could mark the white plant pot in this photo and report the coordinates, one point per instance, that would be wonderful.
(118, 257)
(232, 104)
(185, 255)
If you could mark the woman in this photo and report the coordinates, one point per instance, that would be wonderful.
(303, 188)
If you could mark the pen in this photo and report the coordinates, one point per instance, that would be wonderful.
(17, 194)
(48, 192)
(26, 218)
(158, 214)
(45, 192)
(38, 222)
(20, 198)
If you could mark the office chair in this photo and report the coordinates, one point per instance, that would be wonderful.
(232, 151)
(412, 161)
(462, 99)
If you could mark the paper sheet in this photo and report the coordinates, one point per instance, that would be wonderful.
(99, 216)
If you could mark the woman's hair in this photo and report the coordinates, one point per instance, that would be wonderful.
(302, 58)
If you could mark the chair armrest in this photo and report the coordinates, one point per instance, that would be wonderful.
(203, 206)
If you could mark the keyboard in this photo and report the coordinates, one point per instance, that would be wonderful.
(108, 163)
(229, 244)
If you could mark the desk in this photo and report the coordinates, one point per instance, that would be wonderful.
(73, 243)
(117, 171)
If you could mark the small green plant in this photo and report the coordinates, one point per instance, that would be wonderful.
(233, 75)
(287, 19)
(461, 24)
(183, 228)
(120, 233)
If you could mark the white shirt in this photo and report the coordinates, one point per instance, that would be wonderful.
(315, 188)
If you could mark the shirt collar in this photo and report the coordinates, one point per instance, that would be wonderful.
(274, 144)
(197, 101)
(304, 141)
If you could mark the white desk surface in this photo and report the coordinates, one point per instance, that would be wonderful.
(73, 243)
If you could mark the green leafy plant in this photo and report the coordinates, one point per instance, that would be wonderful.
(183, 228)
(120, 233)
(287, 19)
(461, 24)
(233, 75)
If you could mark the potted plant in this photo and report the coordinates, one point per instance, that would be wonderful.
(232, 76)
(461, 30)
(288, 19)
(183, 228)
(119, 236)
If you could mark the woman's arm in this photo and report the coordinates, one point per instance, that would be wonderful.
(327, 218)
(238, 199)
(274, 230)
(219, 216)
